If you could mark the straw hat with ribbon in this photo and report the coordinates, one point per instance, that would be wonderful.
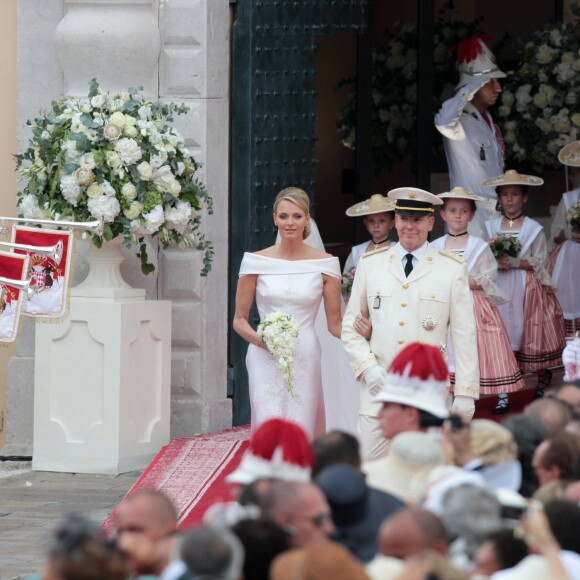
(377, 203)
(512, 177)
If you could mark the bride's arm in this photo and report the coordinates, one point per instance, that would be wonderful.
(244, 299)
(332, 298)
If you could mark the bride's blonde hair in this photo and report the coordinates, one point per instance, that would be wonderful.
(298, 197)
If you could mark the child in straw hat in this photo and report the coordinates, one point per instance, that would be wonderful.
(533, 317)
(498, 368)
(564, 263)
(378, 213)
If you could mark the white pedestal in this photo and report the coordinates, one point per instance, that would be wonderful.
(102, 386)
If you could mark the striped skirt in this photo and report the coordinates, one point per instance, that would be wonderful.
(498, 368)
(544, 336)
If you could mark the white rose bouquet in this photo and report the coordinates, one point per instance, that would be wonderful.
(540, 110)
(116, 158)
(279, 332)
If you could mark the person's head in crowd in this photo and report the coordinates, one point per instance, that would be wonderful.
(278, 449)
(335, 447)
(213, 553)
(413, 397)
(552, 412)
(500, 550)
(470, 513)
(320, 561)
(495, 446)
(78, 552)
(555, 458)
(301, 510)
(411, 530)
(357, 509)
(569, 393)
(253, 493)
(143, 520)
(262, 541)
(528, 432)
(403, 472)
(564, 519)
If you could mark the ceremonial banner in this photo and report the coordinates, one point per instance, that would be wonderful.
(50, 281)
(14, 267)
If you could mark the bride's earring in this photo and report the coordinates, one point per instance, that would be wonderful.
(307, 230)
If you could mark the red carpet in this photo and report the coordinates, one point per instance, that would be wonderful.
(192, 471)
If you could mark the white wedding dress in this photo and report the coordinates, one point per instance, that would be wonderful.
(326, 392)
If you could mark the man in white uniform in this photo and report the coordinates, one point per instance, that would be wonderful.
(410, 292)
(473, 143)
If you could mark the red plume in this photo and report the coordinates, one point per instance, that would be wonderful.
(426, 360)
(469, 48)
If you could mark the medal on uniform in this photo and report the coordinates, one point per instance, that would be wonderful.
(429, 323)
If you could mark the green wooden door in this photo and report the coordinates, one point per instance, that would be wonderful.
(273, 120)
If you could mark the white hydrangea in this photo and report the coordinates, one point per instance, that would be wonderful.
(87, 161)
(129, 150)
(104, 207)
(71, 152)
(108, 189)
(154, 219)
(178, 217)
(28, 207)
(70, 189)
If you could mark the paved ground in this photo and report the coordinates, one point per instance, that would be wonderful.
(32, 502)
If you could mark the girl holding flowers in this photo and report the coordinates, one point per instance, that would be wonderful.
(533, 317)
(498, 369)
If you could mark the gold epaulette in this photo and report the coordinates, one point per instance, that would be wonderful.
(367, 254)
(452, 255)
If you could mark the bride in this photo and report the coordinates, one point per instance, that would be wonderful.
(294, 277)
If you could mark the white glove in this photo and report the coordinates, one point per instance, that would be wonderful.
(374, 378)
(472, 87)
(464, 406)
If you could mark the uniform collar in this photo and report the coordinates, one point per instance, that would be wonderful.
(417, 254)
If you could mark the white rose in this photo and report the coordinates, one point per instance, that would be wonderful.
(178, 217)
(174, 188)
(145, 171)
(129, 191)
(130, 131)
(163, 176)
(134, 211)
(129, 150)
(544, 54)
(507, 98)
(98, 101)
(118, 119)
(112, 132)
(561, 126)
(540, 100)
(70, 189)
(180, 167)
(159, 159)
(154, 219)
(504, 111)
(87, 161)
(94, 190)
(113, 159)
(555, 36)
(105, 208)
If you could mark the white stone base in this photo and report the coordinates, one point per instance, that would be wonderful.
(193, 416)
(102, 387)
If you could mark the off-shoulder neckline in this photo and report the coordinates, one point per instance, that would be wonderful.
(284, 260)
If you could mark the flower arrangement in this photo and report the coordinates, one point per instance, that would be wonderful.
(347, 281)
(505, 245)
(394, 89)
(573, 217)
(540, 107)
(115, 157)
(279, 332)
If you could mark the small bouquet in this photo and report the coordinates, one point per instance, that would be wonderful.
(574, 217)
(279, 332)
(347, 280)
(505, 245)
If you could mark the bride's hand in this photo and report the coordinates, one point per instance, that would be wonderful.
(363, 326)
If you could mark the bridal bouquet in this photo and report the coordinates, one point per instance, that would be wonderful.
(347, 280)
(279, 332)
(574, 216)
(115, 157)
(505, 245)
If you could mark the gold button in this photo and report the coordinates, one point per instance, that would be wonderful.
(404, 304)
(401, 342)
(429, 259)
(432, 295)
(401, 323)
(405, 286)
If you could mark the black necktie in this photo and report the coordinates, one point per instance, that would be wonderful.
(409, 264)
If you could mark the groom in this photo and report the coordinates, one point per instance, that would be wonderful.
(410, 292)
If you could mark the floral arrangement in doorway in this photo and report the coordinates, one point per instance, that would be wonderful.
(540, 106)
(116, 157)
(394, 89)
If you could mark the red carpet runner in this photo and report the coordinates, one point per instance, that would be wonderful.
(191, 471)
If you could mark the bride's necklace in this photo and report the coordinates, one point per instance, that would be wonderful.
(514, 219)
(378, 244)
(457, 235)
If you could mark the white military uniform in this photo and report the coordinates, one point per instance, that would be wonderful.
(434, 298)
(474, 151)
